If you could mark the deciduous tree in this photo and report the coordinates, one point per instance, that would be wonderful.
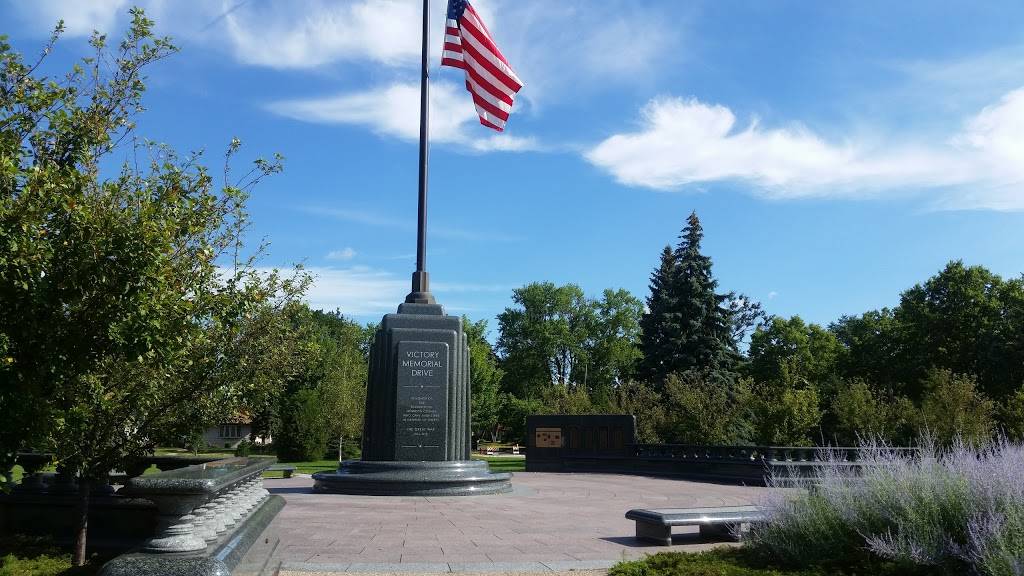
(129, 302)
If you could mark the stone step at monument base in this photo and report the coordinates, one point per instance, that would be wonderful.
(389, 478)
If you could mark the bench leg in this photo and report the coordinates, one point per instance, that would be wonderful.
(656, 533)
(723, 531)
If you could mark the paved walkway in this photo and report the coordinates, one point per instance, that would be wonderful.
(550, 523)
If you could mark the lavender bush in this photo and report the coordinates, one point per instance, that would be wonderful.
(958, 510)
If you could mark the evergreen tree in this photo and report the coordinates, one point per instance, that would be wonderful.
(654, 323)
(699, 327)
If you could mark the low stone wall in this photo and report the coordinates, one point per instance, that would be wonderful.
(750, 465)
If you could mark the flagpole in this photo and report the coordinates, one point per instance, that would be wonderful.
(420, 279)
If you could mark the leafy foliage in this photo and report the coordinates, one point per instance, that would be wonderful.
(324, 398)
(132, 310)
(954, 407)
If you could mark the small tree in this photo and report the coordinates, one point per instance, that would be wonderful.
(130, 311)
(860, 412)
(485, 380)
(953, 407)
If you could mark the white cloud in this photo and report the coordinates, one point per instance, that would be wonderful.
(394, 111)
(356, 291)
(363, 291)
(80, 17)
(683, 142)
(311, 33)
(346, 253)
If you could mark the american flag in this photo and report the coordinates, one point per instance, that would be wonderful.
(489, 78)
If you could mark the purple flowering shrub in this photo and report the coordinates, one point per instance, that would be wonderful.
(958, 510)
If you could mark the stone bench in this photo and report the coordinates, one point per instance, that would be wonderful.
(285, 470)
(718, 522)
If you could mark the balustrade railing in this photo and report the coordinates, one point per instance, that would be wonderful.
(199, 503)
(766, 454)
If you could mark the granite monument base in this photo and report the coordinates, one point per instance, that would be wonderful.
(451, 478)
(416, 438)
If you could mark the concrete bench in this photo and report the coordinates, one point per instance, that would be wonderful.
(718, 522)
(285, 470)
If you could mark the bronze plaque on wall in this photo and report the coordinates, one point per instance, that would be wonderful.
(548, 438)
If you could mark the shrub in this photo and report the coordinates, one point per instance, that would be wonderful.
(726, 561)
(953, 407)
(302, 436)
(244, 448)
(957, 510)
(1011, 415)
(861, 411)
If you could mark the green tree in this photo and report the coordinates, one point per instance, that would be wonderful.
(645, 404)
(343, 352)
(130, 307)
(953, 406)
(485, 381)
(706, 407)
(786, 415)
(614, 350)
(656, 321)
(512, 413)
(862, 412)
(543, 340)
(690, 326)
(790, 349)
(324, 397)
(872, 343)
(1011, 416)
(303, 435)
(968, 320)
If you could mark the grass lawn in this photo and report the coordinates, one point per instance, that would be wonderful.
(732, 561)
(22, 556)
(308, 467)
(504, 463)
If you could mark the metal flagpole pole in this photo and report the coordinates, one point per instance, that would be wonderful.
(420, 279)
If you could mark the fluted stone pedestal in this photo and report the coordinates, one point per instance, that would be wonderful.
(416, 435)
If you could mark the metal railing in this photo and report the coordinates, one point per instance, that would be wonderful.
(763, 454)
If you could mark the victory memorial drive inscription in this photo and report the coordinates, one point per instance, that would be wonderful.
(422, 400)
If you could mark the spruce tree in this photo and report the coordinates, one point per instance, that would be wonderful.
(654, 324)
(688, 325)
(700, 324)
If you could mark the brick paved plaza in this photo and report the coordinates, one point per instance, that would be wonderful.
(551, 522)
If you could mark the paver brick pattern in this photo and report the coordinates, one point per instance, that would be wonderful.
(548, 518)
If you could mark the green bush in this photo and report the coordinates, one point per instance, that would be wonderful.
(954, 407)
(730, 562)
(302, 436)
(244, 448)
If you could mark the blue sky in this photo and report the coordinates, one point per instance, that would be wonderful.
(835, 152)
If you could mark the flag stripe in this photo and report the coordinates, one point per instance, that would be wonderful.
(483, 72)
(490, 80)
(487, 48)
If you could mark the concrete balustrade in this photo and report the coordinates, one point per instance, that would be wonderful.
(197, 504)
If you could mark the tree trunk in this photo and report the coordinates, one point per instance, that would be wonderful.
(341, 447)
(78, 557)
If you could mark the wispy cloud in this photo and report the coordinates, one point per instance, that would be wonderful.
(346, 253)
(365, 291)
(80, 18)
(356, 291)
(393, 110)
(311, 33)
(682, 142)
(439, 230)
